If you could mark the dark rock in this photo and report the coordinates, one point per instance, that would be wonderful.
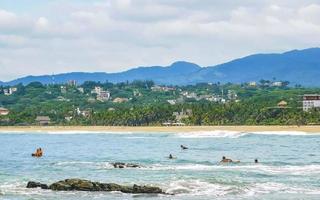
(86, 185)
(146, 189)
(44, 186)
(124, 165)
(32, 184)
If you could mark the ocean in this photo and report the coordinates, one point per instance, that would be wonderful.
(288, 168)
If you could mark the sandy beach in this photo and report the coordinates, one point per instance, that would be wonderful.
(161, 129)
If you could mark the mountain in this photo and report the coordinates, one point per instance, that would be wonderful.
(175, 72)
(297, 67)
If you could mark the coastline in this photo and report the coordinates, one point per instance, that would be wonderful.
(160, 129)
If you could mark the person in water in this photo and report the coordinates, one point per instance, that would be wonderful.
(183, 147)
(256, 160)
(171, 156)
(228, 160)
(38, 153)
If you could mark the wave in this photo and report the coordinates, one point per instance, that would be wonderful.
(281, 133)
(259, 168)
(211, 134)
(299, 170)
(196, 187)
(237, 134)
(220, 189)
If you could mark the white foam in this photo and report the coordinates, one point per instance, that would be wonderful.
(202, 188)
(259, 168)
(196, 188)
(236, 134)
(85, 164)
(273, 187)
(211, 134)
(197, 167)
(281, 133)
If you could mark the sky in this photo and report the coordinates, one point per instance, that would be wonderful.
(55, 36)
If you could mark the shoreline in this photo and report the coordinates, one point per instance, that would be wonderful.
(160, 129)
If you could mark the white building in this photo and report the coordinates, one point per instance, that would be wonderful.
(310, 101)
(253, 84)
(232, 95)
(103, 96)
(80, 89)
(9, 91)
(4, 111)
(63, 89)
(277, 84)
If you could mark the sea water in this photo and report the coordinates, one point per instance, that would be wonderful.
(288, 168)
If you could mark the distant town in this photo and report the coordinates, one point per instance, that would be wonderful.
(143, 103)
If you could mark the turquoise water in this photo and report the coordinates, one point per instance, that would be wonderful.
(289, 165)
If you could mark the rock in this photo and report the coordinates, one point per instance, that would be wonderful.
(32, 184)
(86, 185)
(61, 186)
(44, 186)
(124, 165)
(146, 189)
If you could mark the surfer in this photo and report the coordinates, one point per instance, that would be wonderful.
(38, 153)
(171, 156)
(183, 147)
(228, 160)
(256, 160)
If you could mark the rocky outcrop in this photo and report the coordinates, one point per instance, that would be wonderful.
(86, 185)
(125, 165)
(32, 184)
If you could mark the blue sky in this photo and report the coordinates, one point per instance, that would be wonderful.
(55, 36)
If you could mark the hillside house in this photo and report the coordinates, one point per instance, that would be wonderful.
(120, 100)
(310, 101)
(252, 84)
(43, 120)
(4, 111)
(103, 96)
(9, 91)
(282, 104)
(158, 88)
(72, 83)
(63, 89)
(277, 84)
(80, 89)
(182, 115)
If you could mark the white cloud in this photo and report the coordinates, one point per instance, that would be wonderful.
(42, 22)
(7, 17)
(112, 35)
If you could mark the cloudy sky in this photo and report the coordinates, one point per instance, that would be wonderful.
(54, 36)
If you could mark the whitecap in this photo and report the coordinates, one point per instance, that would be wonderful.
(211, 134)
(196, 188)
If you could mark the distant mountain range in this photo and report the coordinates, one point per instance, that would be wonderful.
(297, 67)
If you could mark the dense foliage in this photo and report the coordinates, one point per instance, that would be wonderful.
(253, 105)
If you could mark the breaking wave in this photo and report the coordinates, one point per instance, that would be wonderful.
(237, 134)
(211, 134)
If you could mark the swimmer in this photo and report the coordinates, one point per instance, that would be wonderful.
(227, 160)
(183, 147)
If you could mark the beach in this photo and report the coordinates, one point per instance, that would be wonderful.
(161, 129)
